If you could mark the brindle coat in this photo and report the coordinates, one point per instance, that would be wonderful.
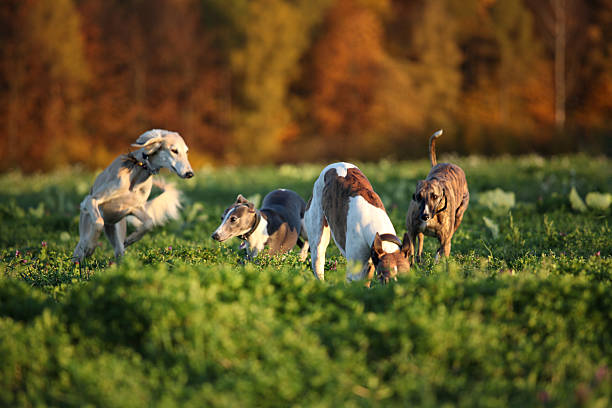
(438, 204)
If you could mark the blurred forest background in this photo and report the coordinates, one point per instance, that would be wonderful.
(270, 81)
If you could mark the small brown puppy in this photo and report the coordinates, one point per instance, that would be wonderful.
(438, 204)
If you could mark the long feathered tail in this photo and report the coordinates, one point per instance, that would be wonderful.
(432, 147)
(162, 208)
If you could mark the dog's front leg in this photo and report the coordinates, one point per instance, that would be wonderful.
(420, 237)
(364, 271)
(304, 245)
(303, 250)
(90, 205)
(88, 237)
(147, 225)
(252, 252)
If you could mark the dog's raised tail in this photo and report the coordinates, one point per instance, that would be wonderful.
(164, 207)
(432, 147)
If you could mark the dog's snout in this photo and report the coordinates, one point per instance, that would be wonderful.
(189, 174)
(425, 217)
(215, 236)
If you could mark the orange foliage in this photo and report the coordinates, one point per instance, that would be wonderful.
(280, 80)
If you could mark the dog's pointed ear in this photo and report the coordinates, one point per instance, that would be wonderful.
(241, 199)
(149, 146)
(406, 248)
(377, 248)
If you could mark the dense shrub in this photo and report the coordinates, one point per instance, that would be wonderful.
(521, 319)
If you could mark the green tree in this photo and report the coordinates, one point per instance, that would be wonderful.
(275, 35)
(423, 79)
(512, 26)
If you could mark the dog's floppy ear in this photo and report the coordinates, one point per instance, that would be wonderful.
(406, 248)
(445, 201)
(416, 190)
(150, 146)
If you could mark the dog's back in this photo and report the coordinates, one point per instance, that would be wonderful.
(450, 174)
(350, 206)
(287, 204)
(345, 206)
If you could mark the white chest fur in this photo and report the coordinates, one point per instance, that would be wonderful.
(257, 240)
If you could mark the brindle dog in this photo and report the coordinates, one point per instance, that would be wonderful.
(438, 204)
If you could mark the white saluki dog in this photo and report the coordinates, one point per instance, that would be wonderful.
(123, 188)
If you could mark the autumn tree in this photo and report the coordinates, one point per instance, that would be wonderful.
(347, 69)
(375, 91)
(44, 73)
(273, 35)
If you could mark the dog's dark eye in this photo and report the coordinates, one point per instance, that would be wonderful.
(175, 151)
(233, 218)
(433, 196)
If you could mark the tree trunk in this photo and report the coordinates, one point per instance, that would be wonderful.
(560, 47)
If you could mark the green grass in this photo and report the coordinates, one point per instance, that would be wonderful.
(520, 315)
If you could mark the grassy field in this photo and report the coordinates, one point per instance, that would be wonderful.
(520, 315)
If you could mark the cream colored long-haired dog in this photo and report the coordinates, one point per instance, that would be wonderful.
(123, 189)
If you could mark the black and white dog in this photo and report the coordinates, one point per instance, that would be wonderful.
(278, 224)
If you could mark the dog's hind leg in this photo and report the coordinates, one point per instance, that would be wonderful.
(116, 235)
(317, 253)
(461, 210)
(318, 236)
(446, 247)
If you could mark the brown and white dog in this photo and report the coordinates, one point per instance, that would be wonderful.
(438, 204)
(344, 203)
(278, 224)
(123, 189)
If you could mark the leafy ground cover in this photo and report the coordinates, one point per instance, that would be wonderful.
(520, 315)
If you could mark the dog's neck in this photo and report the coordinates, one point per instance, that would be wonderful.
(141, 170)
(141, 160)
(390, 242)
(257, 236)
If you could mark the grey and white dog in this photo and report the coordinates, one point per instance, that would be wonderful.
(278, 224)
(123, 189)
